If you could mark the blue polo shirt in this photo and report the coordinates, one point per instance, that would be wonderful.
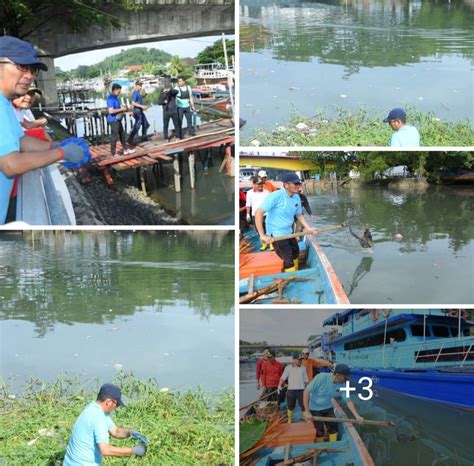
(113, 102)
(281, 210)
(137, 97)
(10, 134)
(321, 390)
(406, 136)
(91, 428)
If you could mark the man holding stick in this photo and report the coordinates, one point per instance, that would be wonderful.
(282, 207)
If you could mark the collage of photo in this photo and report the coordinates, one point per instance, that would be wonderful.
(236, 232)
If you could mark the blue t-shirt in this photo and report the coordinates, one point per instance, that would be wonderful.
(281, 210)
(406, 136)
(10, 134)
(91, 428)
(137, 97)
(321, 389)
(113, 102)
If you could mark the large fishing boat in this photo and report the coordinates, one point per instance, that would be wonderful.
(425, 353)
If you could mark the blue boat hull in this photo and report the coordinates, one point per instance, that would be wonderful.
(452, 389)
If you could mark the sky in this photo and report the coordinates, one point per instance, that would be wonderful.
(276, 326)
(181, 47)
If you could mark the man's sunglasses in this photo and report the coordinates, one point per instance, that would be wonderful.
(33, 69)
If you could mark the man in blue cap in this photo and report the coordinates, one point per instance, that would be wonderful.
(89, 441)
(19, 66)
(282, 207)
(405, 135)
(317, 400)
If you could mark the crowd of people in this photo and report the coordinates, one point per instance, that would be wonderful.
(306, 384)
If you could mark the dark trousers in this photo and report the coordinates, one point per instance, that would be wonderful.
(293, 396)
(167, 116)
(116, 133)
(331, 427)
(140, 121)
(287, 250)
(272, 397)
(186, 112)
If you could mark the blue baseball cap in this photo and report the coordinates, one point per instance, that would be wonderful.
(396, 114)
(290, 177)
(342, 369)
(20, 52)
(111, 391)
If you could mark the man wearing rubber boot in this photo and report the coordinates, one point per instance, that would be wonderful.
(281, 208)
(317, 401)
(297, 381)
(89, 441)
(255, 197)
(271, 373)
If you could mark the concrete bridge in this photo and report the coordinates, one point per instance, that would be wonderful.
(158, 20)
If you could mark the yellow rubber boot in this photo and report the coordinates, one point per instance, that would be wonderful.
(271, 247)
(319, 439)
(263, 247)
(333, 437)
(295, 263)
(291, 269)
(290, 416)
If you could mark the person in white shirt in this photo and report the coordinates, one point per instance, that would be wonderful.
(297, 381)
(255, 197)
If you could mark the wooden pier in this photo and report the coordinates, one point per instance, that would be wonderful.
(219, 133)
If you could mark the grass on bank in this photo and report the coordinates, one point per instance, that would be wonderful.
(189, 428)
(361, 128)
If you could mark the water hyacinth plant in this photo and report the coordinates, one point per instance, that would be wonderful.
(184, 428)
(361, 128)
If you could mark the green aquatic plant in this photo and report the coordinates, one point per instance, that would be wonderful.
(360, 128)
(185, 428)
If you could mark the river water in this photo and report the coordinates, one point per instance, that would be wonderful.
(159, 304)
(427, 435)
(432, 264)
(328, 54)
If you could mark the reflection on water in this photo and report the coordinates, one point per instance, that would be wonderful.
(434, 262)
(426, 434)
(158, 303)
(309, 55)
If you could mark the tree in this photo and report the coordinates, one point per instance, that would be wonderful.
(20, 18)
(215, 52)
(178, 67)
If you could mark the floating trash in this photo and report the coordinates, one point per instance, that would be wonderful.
(343, 96)
(117, 366)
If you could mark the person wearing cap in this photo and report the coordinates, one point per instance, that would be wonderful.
(116, 112)
(405, 135)
(281, 207)
(259, 365)
(312, 365)
(19, 153)
(170, 111)
(267, 184)
(317, 401)
(139, 109)
(254, 198)
(297, 378)
(185, 104)
(89, 441)
(271, 373)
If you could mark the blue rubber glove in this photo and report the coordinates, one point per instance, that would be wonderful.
(75, 152)
(139, 450)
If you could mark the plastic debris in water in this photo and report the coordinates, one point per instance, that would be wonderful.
(302, 126)
(398, 237)
(343, 96)
(117, 366)
(164, 389)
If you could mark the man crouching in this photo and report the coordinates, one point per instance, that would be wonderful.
(89, 441)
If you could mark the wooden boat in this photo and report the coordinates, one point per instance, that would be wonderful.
(213, 102)
(284, 443)
(316, 283)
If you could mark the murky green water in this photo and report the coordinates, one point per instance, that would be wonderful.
(427, 435)
(432, 264)
(159, 304)
(306, 55)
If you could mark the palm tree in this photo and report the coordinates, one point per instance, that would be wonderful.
(177, 66)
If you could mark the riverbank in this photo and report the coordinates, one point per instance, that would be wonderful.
(184, 428)
(362, 128)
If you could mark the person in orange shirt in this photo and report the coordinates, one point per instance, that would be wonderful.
(267, 184)
(271, 373)
(312, 365)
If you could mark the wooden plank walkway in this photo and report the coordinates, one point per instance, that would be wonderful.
(214, 134)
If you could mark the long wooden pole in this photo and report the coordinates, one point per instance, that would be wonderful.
(304, 233)
(354, 421)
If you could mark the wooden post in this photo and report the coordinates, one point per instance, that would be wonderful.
(228, 158)
(177, 174)
(142, 179)
(192, 170)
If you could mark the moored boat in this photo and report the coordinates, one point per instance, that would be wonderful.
(426, 354)
(316, 283)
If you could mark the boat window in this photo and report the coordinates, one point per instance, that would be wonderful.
(417, 330)
(440, 331)
(393, 336)
(464, 332)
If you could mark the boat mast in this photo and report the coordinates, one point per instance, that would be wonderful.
(384, 342)
(229, 77)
